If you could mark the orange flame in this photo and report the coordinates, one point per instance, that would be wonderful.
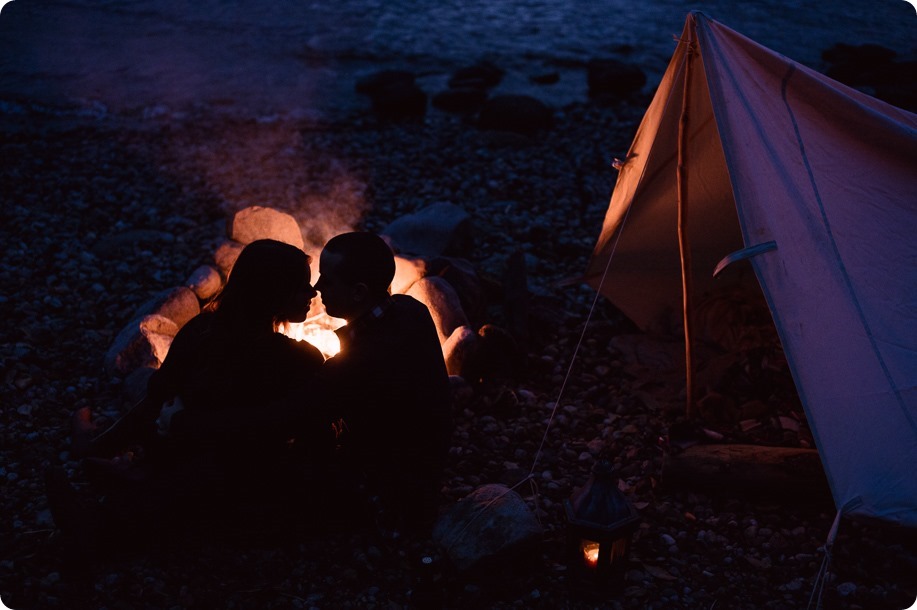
(317, 330)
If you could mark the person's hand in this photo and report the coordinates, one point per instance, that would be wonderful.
(169, 409)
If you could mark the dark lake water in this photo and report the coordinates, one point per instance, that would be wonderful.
(301, 58)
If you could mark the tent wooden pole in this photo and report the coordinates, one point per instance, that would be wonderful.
(683, 250)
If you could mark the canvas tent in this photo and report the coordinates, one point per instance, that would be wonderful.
(815, 184)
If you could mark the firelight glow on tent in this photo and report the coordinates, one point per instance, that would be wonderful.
(815, 183)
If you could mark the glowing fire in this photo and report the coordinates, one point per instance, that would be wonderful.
(318, 329)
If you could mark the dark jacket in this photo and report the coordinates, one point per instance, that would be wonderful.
(390, 386)
(232, 386)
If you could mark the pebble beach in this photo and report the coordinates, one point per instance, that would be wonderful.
(104, 206)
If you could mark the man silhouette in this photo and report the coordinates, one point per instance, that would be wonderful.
(389, 383)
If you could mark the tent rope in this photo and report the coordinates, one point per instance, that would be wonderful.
(821, 576)
(458, 536)
(579, 343)
(531, 475)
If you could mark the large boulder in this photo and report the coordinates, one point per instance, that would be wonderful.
(205, 282)
(178, 304)
(443, 302)
(458, 349)
(874, 69)
(408, 270)
(461, 100)
(463, 277)
(400, 102)
(439, 229)
(134, 386)
(224, 257)
(857, 65)
(613, 78)
(373, 83)
(257, 222)
(143, 342)
(480, 75)
(496, 356)
(394, 94)
(490, 524)
(522, 114)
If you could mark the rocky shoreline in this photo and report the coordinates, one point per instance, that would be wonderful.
(100, 214)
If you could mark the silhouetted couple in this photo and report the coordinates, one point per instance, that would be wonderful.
(244, 425)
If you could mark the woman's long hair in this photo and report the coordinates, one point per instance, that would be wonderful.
(263, 280)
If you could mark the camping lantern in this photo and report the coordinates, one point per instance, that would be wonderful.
(600, 521)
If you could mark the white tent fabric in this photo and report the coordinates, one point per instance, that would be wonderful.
(776, 152)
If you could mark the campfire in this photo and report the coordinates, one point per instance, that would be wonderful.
(145, 341)
(318, 329)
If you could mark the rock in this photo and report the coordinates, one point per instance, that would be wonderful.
(460, 100)
(520, 114)
(373, 83)
(488, 524)
(858, 64)
(459, 348)
(206, 282)
(846, 589)
(401, 103)
(178, 304)
(441, 228)
(901, 91)
(614, 78)
(257, 222)
(225, 256)
(461, 274)
(874, 68)
(408, 269)
(394, 94)
(441, 299)
(134, 387)
(481, 75)
(142, 342)
(546, 78)
(497, 357)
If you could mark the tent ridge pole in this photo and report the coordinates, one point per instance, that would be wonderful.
(683, 251)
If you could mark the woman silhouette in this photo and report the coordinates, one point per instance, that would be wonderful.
(214, 425)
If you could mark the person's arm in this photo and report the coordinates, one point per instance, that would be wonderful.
(275, 420)
(132, 427)
(138, 425)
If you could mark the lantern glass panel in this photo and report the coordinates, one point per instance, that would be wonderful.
(590, 551)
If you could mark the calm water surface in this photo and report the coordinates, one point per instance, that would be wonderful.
(301, 58)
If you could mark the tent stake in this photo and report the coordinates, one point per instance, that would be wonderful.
(684, 253)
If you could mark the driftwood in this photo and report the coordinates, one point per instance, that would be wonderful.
(776, 472)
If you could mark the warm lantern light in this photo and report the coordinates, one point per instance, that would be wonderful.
(590, 552)
(600, 522)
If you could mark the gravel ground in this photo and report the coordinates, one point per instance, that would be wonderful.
(101, 212)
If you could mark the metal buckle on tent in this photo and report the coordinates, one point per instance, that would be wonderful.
(742, 254)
